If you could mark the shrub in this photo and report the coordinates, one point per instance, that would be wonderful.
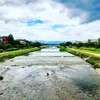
(91, 60)
(12, 49)
(1, 59)
(8, 46)
(96, 65)
(62, 48)
(1, 50)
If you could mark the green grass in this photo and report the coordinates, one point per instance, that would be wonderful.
(90, 50)
(94, 61)
(62, 48)
(93, 57)
(12, 54)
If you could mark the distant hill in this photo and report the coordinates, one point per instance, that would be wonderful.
(51, 42)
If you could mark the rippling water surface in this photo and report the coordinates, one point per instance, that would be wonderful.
(48, 75)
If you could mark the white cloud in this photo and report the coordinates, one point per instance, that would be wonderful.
(51, 13)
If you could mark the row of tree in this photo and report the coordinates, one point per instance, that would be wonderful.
(16, 44)
(87, 44)
(81, 44)
(65, 44)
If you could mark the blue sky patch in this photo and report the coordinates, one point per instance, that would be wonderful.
(33, 22)
(58, 26)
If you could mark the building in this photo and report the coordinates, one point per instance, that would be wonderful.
(92, 40)
(5, 39)
(1, 40)
(77, 42)
(22, 41)
(99, 40)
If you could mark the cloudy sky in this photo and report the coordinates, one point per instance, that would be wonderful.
(50, 19)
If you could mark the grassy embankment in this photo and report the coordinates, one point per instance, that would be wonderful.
(11, 54)
(91, 55)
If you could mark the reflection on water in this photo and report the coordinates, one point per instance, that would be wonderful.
(48, 75)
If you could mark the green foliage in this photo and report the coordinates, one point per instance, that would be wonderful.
(36, 44)
(11, 49)
(6, 46)
(62, 48)
(43, 46)
(1, 50)
(2, 46)
(94, 60)
(17, 52)
(66, 44)
(13, 45)
(97, 45)
(1, 77)
(87, 44)
(11, 39)
(16, 42)
(1, 59)
(62, 44)
(91, 60)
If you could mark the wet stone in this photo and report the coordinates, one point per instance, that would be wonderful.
(1, 93)
(49, 75)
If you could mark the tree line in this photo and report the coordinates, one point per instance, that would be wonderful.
(81, 44)
(87, 44)
(16, 44)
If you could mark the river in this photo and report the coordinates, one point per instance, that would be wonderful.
(48, 75)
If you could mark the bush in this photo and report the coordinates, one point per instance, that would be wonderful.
(62, 48)
(1, 50)
(96, 65)
(11, 49)
(2, 46)
(8, 46)
(95, 61)
(1, 77)
(91, 61)
(1, 59)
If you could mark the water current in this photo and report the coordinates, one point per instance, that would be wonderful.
(48, 75)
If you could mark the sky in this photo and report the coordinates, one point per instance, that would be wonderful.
(50, 20)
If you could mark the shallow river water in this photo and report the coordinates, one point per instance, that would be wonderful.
(48, 75)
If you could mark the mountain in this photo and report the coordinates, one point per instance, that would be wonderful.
(51, 42)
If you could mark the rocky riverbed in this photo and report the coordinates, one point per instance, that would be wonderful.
(48, 75)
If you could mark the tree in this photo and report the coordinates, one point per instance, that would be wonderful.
(97, 45)
(68, 43)
(63, 44)
(2, 46)
(8, 46)
(10, 39)
(37, 44)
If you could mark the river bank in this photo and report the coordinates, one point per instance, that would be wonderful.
(91, 58)
(11, 54)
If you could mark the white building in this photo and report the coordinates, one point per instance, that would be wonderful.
(22, 41)
(92, 40)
